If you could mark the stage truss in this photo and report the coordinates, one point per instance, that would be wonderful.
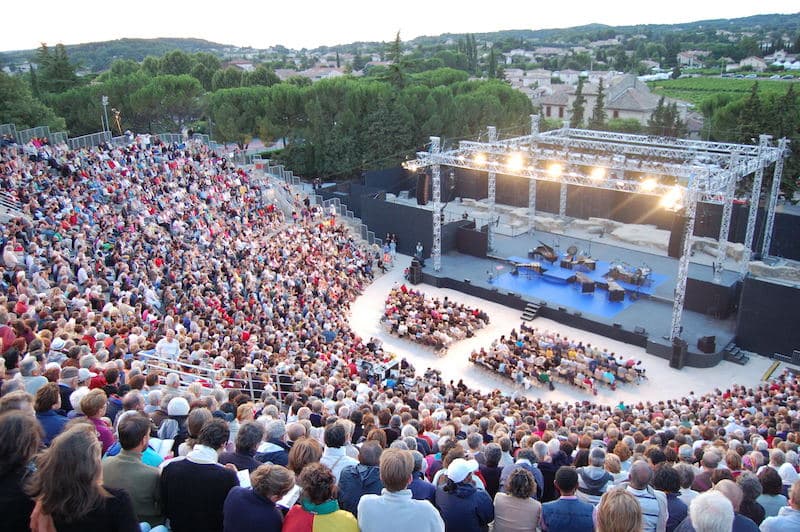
(681, 172)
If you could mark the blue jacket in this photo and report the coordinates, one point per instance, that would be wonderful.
(421, 489)
(246, 511)
(355, 481)
(467, 509)
(273, 451)
(568, 515)
(52, 424)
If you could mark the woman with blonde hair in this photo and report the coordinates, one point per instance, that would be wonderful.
(68, 488)
(618, 511)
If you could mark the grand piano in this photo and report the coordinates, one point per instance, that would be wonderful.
(545, 252)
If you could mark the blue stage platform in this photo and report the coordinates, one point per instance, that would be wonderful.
(552, 287)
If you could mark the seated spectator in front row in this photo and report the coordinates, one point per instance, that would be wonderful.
(567, 512)
(127, 471)
(18, 446)
(318, 509)
(358, 480)
(788, 517)
(247, 440)
(515, 509)
(193, 488)
(463, 506)
(395, 509)
(68, 488)
(253, 509)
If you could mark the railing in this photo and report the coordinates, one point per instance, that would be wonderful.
(24, 136)
(88, 141)
(211, 378)
(8, 129)
(10, 207)
(287, 176)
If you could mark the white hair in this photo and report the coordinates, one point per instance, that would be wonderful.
(711, 511)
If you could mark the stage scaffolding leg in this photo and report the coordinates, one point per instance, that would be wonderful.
(532, 182)
(436, 183)
(727, 212)
(754, 201)
(491, 193)
(562, 200)
(777, 176)
(683, 265)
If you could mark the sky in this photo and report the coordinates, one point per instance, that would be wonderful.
(312, 23)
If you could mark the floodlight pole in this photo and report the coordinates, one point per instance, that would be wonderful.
(532, 182)
(492, 191)
(683, 265)
(777, 176)
(755, 196)
(436, 183)
(727, 213)
(107, 125)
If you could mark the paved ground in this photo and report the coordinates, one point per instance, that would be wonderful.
(663, 383)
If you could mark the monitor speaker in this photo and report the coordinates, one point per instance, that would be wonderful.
(678, 358)
(675, 248)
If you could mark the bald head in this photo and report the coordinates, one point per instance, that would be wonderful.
(295, 431)
(640, 474)
(732, 492)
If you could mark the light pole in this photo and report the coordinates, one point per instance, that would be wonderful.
(106, 125)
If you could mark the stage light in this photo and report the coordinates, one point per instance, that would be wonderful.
(515, 161)
(480, 158)
(672, 199)
(411, 166)
(555, 170)
(648, 185)
(597, 174)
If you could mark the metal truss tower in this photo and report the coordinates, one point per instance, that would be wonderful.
(532, 182)
(773, 199)
(755, 197)
(436, 183)
(491, 193)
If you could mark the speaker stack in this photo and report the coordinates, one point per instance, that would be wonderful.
(415, 272)
(423, 188)
(679, 348)
(675, 248)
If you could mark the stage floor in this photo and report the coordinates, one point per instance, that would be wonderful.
(653, 313)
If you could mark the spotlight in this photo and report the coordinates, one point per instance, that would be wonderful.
(480, 158)
(515, 161)
(648, 185)
(597, 174)
(555, 170)
(672, 199)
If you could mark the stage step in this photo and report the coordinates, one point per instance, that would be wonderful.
(734, 353)
(531, 311)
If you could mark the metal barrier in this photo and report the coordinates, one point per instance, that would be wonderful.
(288, 177)
(10, 208)
(59, 137)
(211, 378)
(89, 141)
(8, 129)
(25, 136)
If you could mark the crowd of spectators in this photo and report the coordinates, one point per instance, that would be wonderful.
(538, 357)
(125, 249)
(435, 322)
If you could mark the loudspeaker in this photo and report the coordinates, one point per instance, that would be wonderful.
(707, 344)
(675, 248)
(679, 347)
(639, 330)
(423, 186)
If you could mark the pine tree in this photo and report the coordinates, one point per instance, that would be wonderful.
(598, 120)
(578, 106)
(751, 119)
(492, 70)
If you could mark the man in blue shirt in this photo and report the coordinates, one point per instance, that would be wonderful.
(567, 513)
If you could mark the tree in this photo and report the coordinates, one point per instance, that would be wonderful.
(492, 70)
(176, 63)
(396, 74)
(666, 121)
(18, 106)
(229, 78)
(751, 118)
(261, 76)
(676, 71)
(169, 102)
(578, 106)
(359, 62)
(55, 72)
(599, 116)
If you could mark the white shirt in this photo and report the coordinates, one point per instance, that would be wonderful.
(397, 512)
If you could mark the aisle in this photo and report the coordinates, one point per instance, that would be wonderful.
(663, 383)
